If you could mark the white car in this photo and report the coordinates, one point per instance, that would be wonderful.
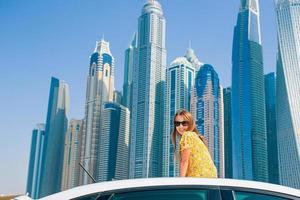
(178, 188)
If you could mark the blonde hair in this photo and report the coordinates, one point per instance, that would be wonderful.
(187, 116)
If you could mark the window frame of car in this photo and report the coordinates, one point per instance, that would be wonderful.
(105, 195)
(221, 190)
(234, 190)
(145, 183)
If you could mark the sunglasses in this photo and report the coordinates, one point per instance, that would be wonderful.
(183, 123)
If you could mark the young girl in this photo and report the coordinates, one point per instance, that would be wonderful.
(195, 160)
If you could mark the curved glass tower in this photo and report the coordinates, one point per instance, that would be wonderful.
(288, 90)
(270, 94)
(248, 97)
(227, 132)
(148, 94)
(209, 113)
(34, 168)
(53, 144)
(130, 58)
(180, 81)
(114, 144)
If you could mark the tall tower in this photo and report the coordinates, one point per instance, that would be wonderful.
(148, 94)
(180, 80)
(100, 88)
(209, 113)
(270, 94)
(227, 132)
(248, 97)
(34, 168)
(288, 87)
(130, 60)
(72, 155)
(114, 142)
(53, 147)
(192, 58)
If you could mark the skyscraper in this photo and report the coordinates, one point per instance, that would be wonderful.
(34, 168)
(130, 60)
(270, 94)
(148, 94)
(72, 155)
(192, 58)
(114, 141)
(180, 80)
(288, 88)
(248, 97)
(209, 113)
(227, 132)
(117, 96)
(53, 147)
(100, 88)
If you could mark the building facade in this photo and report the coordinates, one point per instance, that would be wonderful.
(180, 81)
(148, 94)
(117, 97)
(270, 94)
(250, 160)
(34, 168)
(192, 58)
(288, 87)
(209, 113)
(114, 142)
(227, 132)
(100, 88)
(53, 147)
(72, 147)
(130, 60)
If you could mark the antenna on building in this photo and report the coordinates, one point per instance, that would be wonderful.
(102, 36)
(87, 172)
(190, 44)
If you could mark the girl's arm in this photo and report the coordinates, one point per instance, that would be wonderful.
(184, 162)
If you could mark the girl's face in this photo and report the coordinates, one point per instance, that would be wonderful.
(181, 124)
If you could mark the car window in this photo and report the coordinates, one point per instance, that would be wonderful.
(255, 196)
(171, 194)
(97, 196)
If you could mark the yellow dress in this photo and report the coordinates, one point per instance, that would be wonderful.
(200, 162)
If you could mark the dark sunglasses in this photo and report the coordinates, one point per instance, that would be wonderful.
(184, 123)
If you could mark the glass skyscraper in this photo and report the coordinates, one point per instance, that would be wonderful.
(53, 147)
(148, 94)
(34, 168)
(227, 132)
(114, 141)
(209, 119)
(270, 94)
(130, 58)
(100, 88)
(288, 90)
(180, 80)
(117, 97)
(248, 97)
(192, 58)
(72, 146)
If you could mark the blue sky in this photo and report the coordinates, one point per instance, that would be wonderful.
(40, 39)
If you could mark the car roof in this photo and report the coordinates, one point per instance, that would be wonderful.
(144, 183)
